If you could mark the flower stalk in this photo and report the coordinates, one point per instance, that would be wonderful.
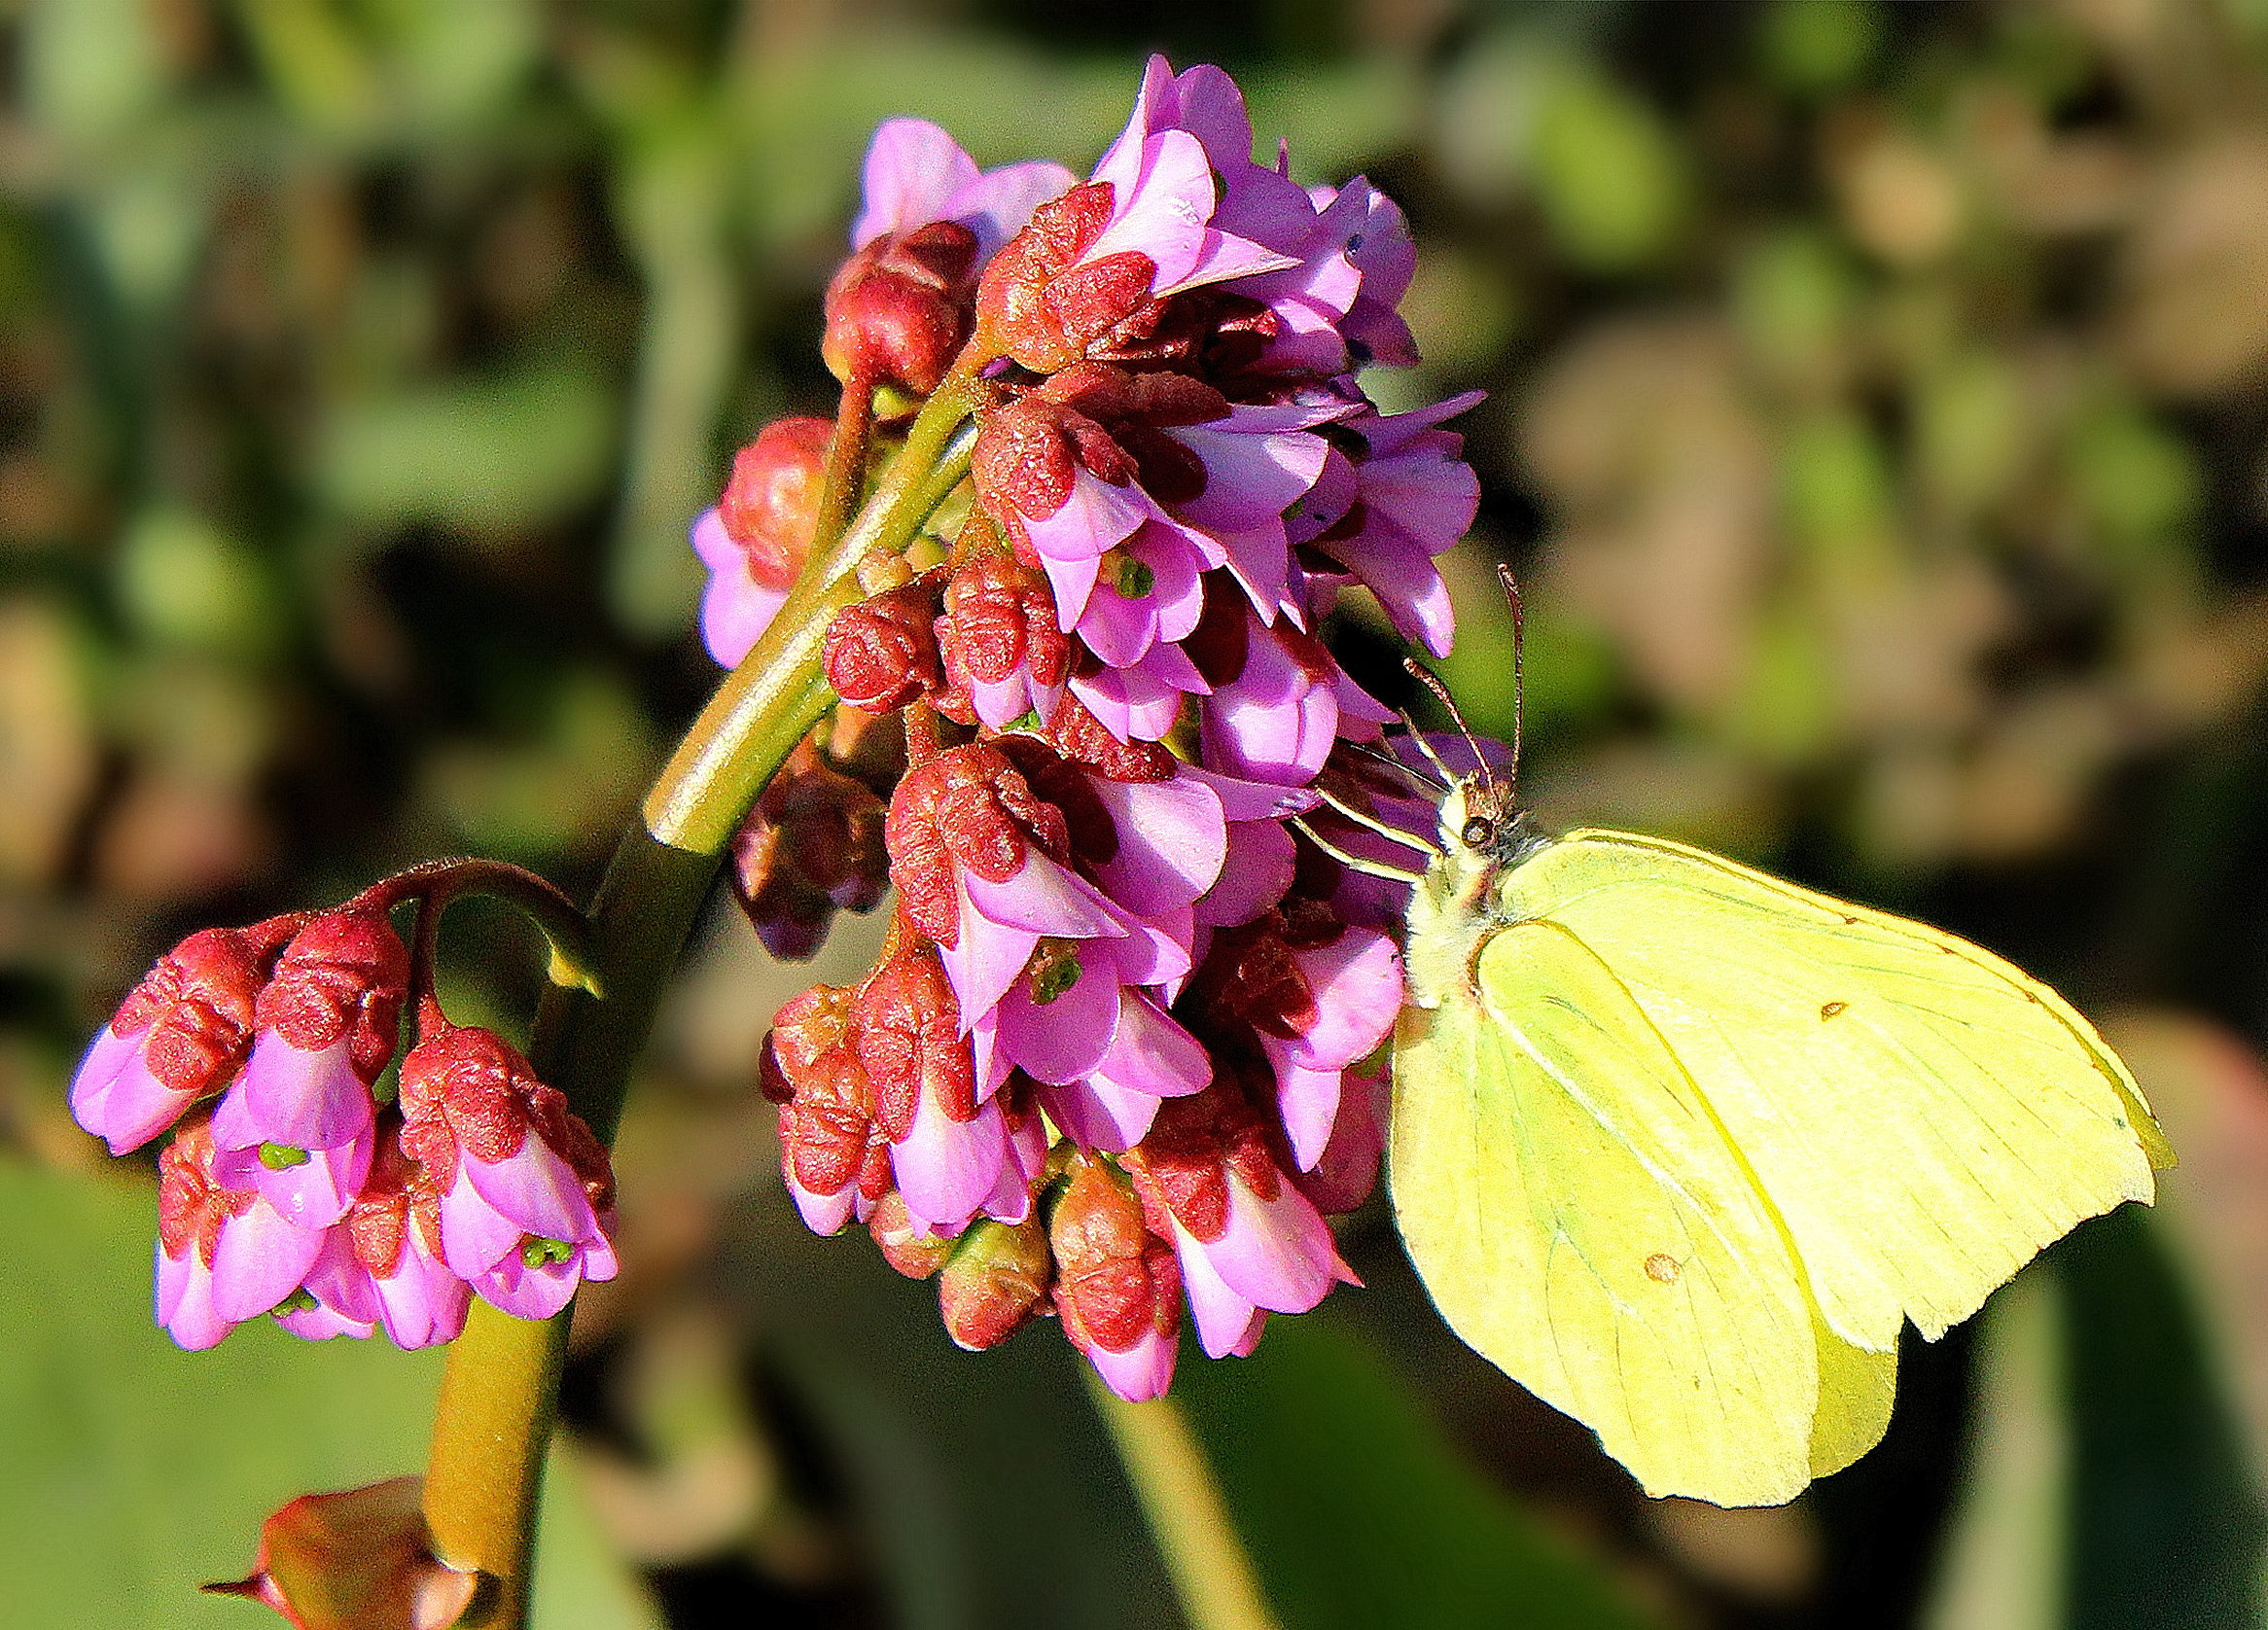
(499, 1395)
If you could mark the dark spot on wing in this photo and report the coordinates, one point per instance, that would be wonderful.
(1850, 921)
(1662, 1268)
(1829, 1010)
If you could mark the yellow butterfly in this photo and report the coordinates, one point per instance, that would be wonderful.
(1680, 1146)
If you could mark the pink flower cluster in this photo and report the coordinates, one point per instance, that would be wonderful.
(289, 1188)
(1116, 1057)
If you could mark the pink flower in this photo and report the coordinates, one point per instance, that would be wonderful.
(916, 174)
(1279, 701)
(526, 1192)
(383, 1263)
(1384, 518)
(1249, 1242)
(180, 1035)
(755, 540)
(223, 1254)
(298, 1123)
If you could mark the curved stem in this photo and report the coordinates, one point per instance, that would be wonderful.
(499, 1395)
(1197, 1538)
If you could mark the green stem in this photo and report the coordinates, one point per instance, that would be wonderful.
(499, 1395)
(1211, 1571)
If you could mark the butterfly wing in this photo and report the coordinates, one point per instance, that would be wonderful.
(1922, 1115)
(1580, 1220)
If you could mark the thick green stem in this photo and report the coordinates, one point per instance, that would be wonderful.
(1211, 1571)
(499, 1395)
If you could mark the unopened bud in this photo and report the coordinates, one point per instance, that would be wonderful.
(970, 808)
(900, 307)
(998, 617)
(1116, 1281)
(906, 1028)
(882, 652)
(906, 1245)
(771, 502)
(343, 976)
(995, 1282)
(363, 1557)
(812, 844)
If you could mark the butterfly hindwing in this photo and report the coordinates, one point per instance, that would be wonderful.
(1580, 1219)
(1922, 1115)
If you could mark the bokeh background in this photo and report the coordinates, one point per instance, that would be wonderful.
(1877, 421)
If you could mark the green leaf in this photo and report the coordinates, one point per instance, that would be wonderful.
(2166, 1522)
(1357, 1510)
(136, 1471)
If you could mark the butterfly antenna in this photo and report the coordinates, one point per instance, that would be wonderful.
(1426, 677)
(1449, 775)
(1355, 863)
(1504, 575)
(1371, 823)
(1384, 760)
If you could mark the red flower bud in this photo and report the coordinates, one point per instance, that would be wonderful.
(191, 1205)
(197, 1002)
(827, 1124)
(1116, 1281)
(1181, 1168)
(882, 652)
(900, 307)
(969, 807)
(771, 502)
(1038, 306)
(905, 1246)
(1249, 976)
(995, 1281)
(1029, 453)
(813, 844)
(1000, 616)
(906, 1028)
(355, 1560)
(466, 1086)
(346, 974)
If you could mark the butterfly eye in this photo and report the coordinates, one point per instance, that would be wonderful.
(1478, 831)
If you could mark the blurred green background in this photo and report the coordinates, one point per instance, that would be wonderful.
(1877, 419)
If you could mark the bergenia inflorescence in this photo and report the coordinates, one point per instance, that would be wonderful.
(1117, 1056)
(292, 1185)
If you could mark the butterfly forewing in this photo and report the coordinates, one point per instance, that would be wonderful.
(1922, 1114)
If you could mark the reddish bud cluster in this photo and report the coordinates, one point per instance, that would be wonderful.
(771, 502)
(970, 808)
(812, 846)
(898, 309)
(1039, 304)
(1117, 1284)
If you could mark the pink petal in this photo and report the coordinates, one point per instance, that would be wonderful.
(825, 1214)
(1343, 1178)
(1045, 897)
(1153, 1054)
(1253, 472)
(525, 1292)
(1141, 1372)
(1257, 873)
(1357, 981)
(985, 958)
(475, 1236)
(1171, 842)
(1066, 1039)
(535, 1190)
(735, 608)
(1309, 1101)
(1276, 1253)
(259, 1260)
(1222, 1316)
(302, 1099)
(947, 1169)
(185, 1302)
(913, 172)
(422, 1302)
(1098, 1113)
